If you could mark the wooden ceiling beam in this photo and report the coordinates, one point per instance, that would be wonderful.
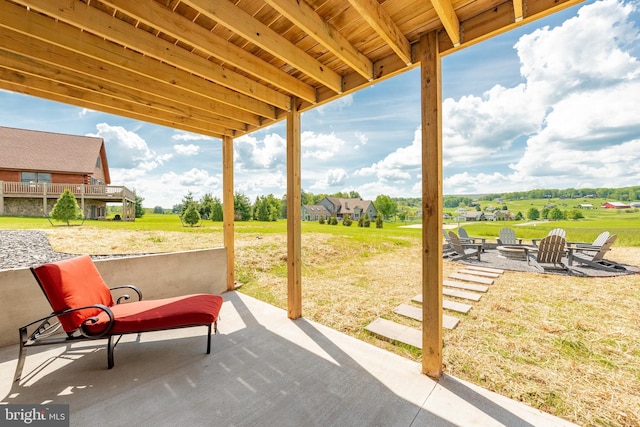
(378, 19)
(170, 81)
(449, 19)
(100, 75)
(98, 91)
(155, 15)
(305, 18)
(254, 31)
(17, 81)
(90, 19)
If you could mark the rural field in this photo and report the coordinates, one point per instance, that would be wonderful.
(567, 345)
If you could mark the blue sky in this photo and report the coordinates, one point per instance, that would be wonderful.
(553, 104)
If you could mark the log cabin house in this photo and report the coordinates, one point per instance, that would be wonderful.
(36, 167)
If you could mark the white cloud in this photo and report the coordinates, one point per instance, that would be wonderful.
(253, 154)
(320, 146)
(398, 165)
(187, 150)
(127, 149)
(578, 106)
(333, 179)
(186, 136)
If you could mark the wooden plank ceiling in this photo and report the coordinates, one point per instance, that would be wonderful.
(220, 67)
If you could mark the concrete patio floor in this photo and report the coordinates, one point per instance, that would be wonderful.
(264, 370)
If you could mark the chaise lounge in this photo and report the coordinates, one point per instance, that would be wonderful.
(83, 307)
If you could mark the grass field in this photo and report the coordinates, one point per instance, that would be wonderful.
(569, 346)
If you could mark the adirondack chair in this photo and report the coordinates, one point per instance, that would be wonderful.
(447, 248)
(464, 250)
(84, 308)
(465, 238)
(590, 247)
(555, 232)
(507, 236)
(548, 255)
(596, 260)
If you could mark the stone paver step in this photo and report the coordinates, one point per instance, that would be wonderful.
(465, 286)
(487, 269)
(479, 273)
(391, 331)
(470, 278)
(413, 312)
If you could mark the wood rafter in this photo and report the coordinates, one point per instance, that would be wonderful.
(379, 20)
(303, 16)
(163, 19)
(96, 22)
(246, 26)
(450, 21)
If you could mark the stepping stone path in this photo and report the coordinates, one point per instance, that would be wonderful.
(470, 284)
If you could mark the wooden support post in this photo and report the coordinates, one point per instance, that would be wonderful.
(294, 238)
(431, 88)
(227, 206)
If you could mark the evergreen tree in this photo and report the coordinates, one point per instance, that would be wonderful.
(206, 206)
(191, 215)
(379, 221)
(139, 208)
(66, 208)
(241, 207)
(217, 213)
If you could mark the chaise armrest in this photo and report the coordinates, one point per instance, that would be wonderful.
(45, 328)
(126, 297)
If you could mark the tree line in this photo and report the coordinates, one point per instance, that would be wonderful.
(264, 208)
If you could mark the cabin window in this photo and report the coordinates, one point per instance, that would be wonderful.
(98, 163)
(35, 177)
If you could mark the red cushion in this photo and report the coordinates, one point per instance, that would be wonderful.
(73, 283)
(141, 316)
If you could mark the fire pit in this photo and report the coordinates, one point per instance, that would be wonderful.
(513, 252)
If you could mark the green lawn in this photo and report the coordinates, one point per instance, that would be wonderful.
(623, 222)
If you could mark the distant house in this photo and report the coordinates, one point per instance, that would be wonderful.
(474, 216)
(499, 215)
(635, 205)
(340, 207)
(585, 206)
(36, 167)
(314, 212)
(616, 205)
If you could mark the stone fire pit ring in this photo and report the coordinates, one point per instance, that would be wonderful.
(516, 252)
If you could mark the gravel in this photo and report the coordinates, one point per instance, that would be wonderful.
(30, 248)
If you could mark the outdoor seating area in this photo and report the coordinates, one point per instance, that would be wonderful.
(265, 369)
(551, 254)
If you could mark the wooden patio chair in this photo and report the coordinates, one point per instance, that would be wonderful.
(548, 255)
(590, 247)
(462, 250)
(465, 238)
(555, 232)
(596, 260)
(84, 308)
(507, 236)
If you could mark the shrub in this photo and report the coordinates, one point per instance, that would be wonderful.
(347, 221)
(379, 222)
(321, 220)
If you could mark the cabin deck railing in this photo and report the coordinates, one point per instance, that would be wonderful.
(42, 189)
